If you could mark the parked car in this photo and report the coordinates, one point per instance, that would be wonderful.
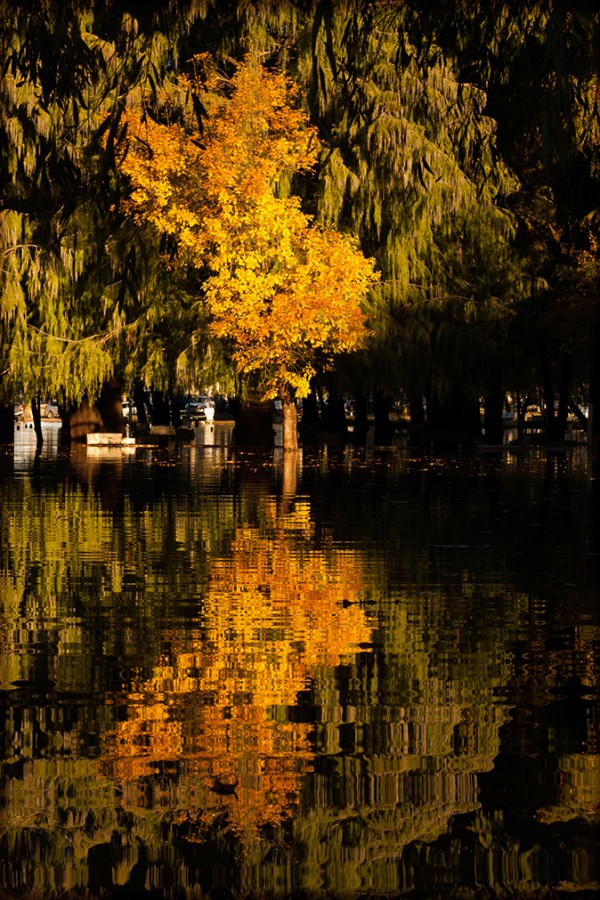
(196, 409)
(129, 409)
(51, 410)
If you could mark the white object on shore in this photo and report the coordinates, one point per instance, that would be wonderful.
(108, 439)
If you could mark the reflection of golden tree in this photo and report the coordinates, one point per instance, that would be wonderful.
(576, 790)
(275, 610)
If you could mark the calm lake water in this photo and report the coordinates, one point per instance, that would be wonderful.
(351, 673)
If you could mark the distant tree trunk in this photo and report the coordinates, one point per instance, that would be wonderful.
(361, 418)
(310, 408)
(36, 412)
(454, 420)
(492, 417)
(384, 429)
(290, 419)
(175, 410)
(110, 406)
(140, 399)
(335, 417)
(310, 423)
(417, 410)
(7, 424)
(564, 392)
(556, 421)
(594, 398)
(253, 422)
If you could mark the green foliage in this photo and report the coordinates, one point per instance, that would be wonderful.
(538, 63)
(76, 286)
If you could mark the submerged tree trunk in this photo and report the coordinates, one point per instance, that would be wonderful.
(361, 419)
(492, 417)
(110, 406)
(335, 416)
(140, 400)
(36, 412)
(80, 421)
(384, 430)
(289, 479)
(594, 398)
(556, 420)
(253, 422)
(175, 410)
(7, 424)
(290, 420)
(161, 413)
(417, 410)
(310, 425)
(453, 421)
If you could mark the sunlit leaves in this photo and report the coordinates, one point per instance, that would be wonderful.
(285, 294)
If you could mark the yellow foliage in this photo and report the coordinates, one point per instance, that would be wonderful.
(285, 293)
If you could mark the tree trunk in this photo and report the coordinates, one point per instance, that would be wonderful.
(161, 414)
(594, 398)
(335, 417)
(453, 421)
(80, 421)
(361, 419)
(290, 420)
(289, 479)
(253, 422)
(384, 429)
(175, 410)
(417, 410)
(110, 406)
(310, 410)
(310, 424)
(564, 392)
(140, 400)
(492, 417)
(556, 420)
(36, 412)
(7, 424)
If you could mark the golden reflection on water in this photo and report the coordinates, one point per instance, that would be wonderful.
(273, 611)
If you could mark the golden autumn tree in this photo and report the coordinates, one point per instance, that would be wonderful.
(286, 295)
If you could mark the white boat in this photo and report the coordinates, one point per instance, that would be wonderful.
(108, 439)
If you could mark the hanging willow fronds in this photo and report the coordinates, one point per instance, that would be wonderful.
(72, 278)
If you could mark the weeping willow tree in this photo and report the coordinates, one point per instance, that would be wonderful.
(413, 169)
(83, 300)
(537, 62)
(540, 65)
